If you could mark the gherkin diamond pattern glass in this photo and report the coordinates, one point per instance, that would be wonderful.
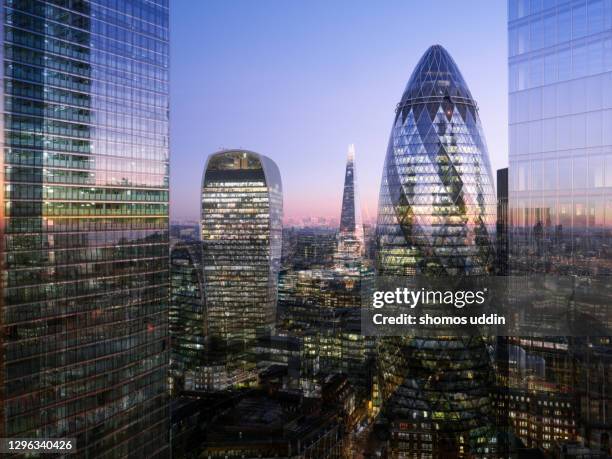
(436, 217)
(437, 202)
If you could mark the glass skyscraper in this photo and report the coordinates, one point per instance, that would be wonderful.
(560, 188)
(84, 224)
(560, 78)
(350, 235)
(187, 320)
(436, 217)
(437, 203)
(241, 227)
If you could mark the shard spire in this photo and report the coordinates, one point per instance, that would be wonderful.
(350, 237)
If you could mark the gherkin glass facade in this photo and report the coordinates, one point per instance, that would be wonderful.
(437, 205)
(84, 224)
(241, 226)
(437, 211)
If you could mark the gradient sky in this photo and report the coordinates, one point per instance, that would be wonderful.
(300, 80)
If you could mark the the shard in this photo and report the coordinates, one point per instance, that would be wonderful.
(350, 236)
(436, 218)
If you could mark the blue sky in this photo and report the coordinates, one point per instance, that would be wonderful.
(300, 80)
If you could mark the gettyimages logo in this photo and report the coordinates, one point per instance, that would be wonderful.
(412, 298)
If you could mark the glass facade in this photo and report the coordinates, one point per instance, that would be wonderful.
(560, 96)
(350, 236)
(187, 321)
(241, 225)
(84, 224)
(437, 203)
(560, 194)
(436, 217)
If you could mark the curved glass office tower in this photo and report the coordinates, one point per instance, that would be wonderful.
(241, 224)
(436, 218)
(437, 204)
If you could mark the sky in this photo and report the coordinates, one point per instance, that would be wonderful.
(298, 81)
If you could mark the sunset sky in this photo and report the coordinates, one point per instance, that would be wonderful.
(299, 81)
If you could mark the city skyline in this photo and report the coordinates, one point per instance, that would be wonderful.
(325, 76)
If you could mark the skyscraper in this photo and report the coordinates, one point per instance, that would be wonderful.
(241, 225)
(560, 184)
(187, 319)
(436, 217)
(560, 98)
(84, 224)
(502, 222)
(350, 236)
(437, 203)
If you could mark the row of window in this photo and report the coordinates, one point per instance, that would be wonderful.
(561, 65)
(93, 241)
(94, 286)
(562, 99)
(108, 223)
(83, 39)
(86, 70)
(590, 130)
(83, 271)
(75, 259)
(148, 300)
(20, 139)
(579, 20)
(76, 406)
(27, 191)
(59, 208)
(99, 20)
(550, 212)
(98, 57)
(34, 125)
(563, 174)
(99, 169)
(50, 111)
(92, 163)
(58, 335)
(141, 106)
(42, 75)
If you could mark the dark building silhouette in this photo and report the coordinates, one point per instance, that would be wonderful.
(502, 222)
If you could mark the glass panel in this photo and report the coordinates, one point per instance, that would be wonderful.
(579, 26)
(565, 173)
(580, 172)
(596, 16)
(549, 179)
(596, 171)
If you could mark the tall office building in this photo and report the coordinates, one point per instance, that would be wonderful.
(350, 236)
(502, 222)
(241, 226)
(84, 224)
(436, 217)
(437, 203)
(187, 319)
(560, 183)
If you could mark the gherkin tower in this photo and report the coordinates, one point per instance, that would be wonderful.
(437, 203)
(436, 218)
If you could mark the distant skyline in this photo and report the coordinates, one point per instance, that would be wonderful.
(299, 82)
